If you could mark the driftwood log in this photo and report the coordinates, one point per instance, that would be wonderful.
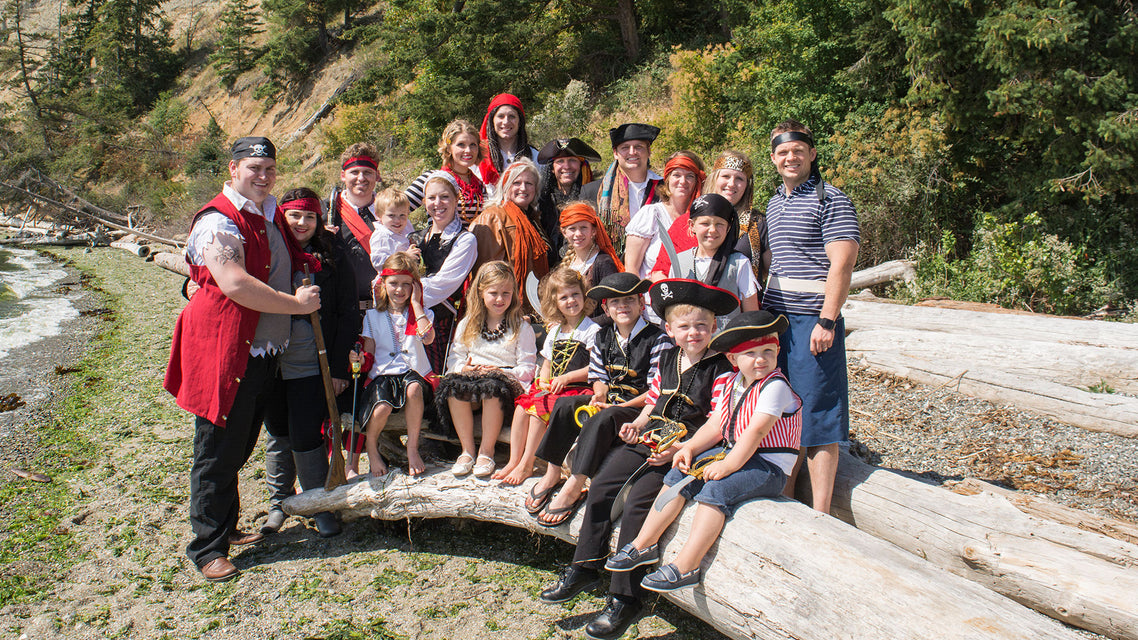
(780, 570)
(1080, 577)
(1048, 510)
(175, 262)
(1008, 359)
(886, 272)
(140, 250)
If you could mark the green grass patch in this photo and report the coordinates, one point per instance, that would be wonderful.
(373, 629)
(1101, 387)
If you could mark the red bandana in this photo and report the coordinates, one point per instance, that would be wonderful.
(751, 344)
(360, 161)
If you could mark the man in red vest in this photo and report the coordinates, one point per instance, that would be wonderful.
(226, 341)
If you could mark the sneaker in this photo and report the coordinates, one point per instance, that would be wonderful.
(463, 466)
(484, 467)
(668, 578)
(628, 558)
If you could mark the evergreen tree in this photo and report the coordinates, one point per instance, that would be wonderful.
(133, 51)
(235, 54)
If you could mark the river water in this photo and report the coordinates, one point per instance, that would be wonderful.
(30, 309)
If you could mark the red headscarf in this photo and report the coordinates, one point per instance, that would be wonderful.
(486, 167)
(582, 212)
(682, 240)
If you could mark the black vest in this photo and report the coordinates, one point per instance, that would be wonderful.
(359, 257)
(627, 368)
(687, 398)
(435, 252)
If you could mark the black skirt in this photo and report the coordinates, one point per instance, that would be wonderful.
(478, 387)
(392, 391)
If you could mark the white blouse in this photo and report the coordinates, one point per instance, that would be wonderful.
(514, 353)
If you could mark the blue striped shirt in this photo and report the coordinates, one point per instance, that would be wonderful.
(799, 228)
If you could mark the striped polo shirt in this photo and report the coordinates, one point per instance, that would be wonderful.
(799, 227)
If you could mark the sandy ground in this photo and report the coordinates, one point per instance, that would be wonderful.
(110, 562)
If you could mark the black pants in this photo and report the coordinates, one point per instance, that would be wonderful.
(563, 429)
(596, 528)
(595, 439)
(297, 409)
(219, 453)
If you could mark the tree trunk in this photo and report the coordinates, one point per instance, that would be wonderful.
(629, 36)
(779, 570)
(1080, 577)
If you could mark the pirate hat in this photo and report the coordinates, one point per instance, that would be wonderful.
(633, 131)
(567, 148)
(748, 326)
(253, 147)
(618, 285)
(666, 293)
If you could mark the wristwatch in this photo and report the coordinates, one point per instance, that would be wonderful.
(827, 323)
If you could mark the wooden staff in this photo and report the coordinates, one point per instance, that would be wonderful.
(336, 473)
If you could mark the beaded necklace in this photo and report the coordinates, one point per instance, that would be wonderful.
(680, 379)
(396, 339)
(496, 334)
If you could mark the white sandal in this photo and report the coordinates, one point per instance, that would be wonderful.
(463, 466)
(483, 469)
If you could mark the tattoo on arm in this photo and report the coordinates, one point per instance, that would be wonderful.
(224, 249)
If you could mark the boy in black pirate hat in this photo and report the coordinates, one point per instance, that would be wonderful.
(678, 396)
(745, 450)
(624, 358)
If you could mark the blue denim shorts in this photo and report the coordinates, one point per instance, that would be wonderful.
(758, 478)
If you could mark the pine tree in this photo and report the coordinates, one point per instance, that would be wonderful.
(235, 53)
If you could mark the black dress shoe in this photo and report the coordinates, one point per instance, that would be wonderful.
(327, 524)
(573, 580)
(613, 620)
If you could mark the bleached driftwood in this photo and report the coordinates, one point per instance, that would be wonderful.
(892, 271)
(1042, 507)
(1007, 358)
(175, 262)
(1080, 577)
(780, 570)
(139, 250)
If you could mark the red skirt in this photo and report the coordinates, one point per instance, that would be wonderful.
(539, 402)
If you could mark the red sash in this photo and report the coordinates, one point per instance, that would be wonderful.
(356, 224)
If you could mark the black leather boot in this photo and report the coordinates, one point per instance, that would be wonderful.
(614, 619)
(573, 580)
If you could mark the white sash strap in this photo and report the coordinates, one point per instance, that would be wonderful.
(796, 285)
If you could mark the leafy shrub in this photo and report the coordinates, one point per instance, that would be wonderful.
(1014, 265)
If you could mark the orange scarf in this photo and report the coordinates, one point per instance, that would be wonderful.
(528, 247)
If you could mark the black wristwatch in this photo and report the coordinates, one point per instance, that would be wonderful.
(827, 323)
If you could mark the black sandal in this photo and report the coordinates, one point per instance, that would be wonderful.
(568, 512)
(539, 500)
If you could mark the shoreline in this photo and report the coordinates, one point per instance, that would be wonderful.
(30, 371)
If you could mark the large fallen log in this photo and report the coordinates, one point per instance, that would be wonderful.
(140, 250)
(780, 570)
(1080, 577)
(1042, 507)
(865, 314)
(175, 262)
(903, 270)
(1007, 359)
